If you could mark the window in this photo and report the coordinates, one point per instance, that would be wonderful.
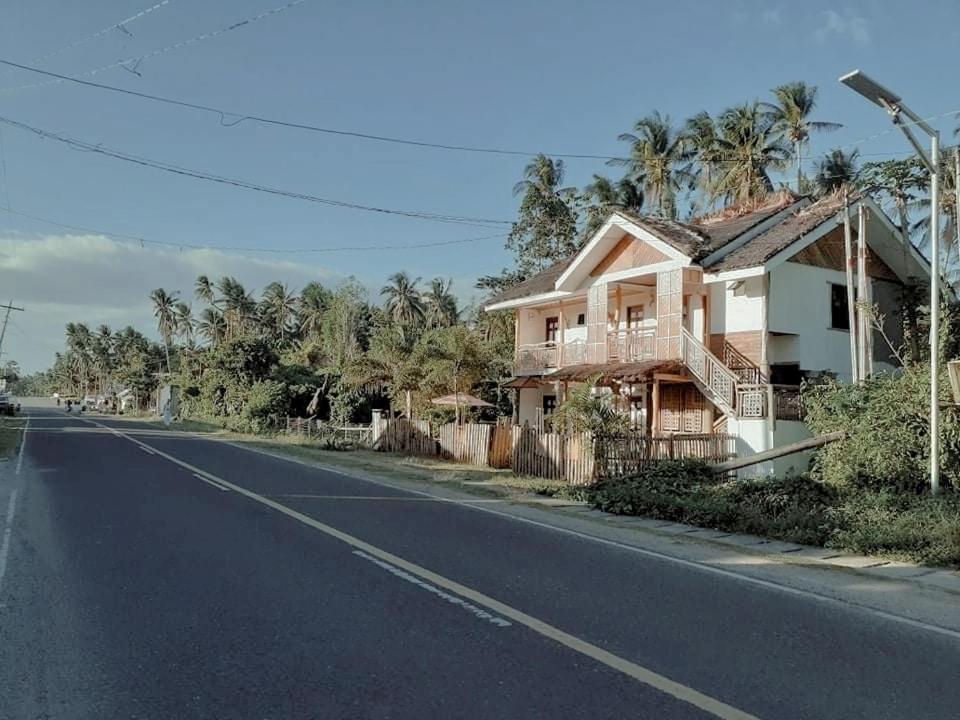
(635, 316)
(581, 319)
(549, 404)
(839, 308)
(786, 374)
(553, 326)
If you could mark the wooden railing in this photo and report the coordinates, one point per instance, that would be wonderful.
(709, 370)
(788, 403)
(631, 345)
(752, 400)
(742, 366)
(629, 454)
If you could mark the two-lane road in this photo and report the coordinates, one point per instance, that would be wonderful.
(158, 575)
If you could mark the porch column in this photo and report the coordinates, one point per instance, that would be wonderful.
(655, 420)
(597, 323)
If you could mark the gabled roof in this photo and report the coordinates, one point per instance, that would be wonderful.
(764, 246)
(733, 239)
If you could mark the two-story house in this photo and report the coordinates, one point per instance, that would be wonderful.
(707, 326)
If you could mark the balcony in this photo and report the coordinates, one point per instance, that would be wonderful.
(541, 358)
(632, 345)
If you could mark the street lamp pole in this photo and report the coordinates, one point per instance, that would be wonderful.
(892, 103)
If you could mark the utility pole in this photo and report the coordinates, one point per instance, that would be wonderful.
(851, 293)
(6, 318)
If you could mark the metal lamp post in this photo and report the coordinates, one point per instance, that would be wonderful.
(891, 102)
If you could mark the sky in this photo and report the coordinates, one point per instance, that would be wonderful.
(558, 77)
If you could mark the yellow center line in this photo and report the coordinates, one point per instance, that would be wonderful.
(644, 675)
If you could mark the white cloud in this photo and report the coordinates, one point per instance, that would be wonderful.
(92, 279)
(844, 26)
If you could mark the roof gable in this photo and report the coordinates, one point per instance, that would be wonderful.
(629, 252)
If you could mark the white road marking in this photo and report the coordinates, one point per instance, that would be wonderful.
(217, 485)
(7, 531)
(648, 677)
(693, 564)
(23, 444)
(453, 599)
(148, 450)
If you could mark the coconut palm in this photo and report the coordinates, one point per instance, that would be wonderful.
(212, 326)
(700, 132)
(185, 324)
(239, 307)
(836, 170)
(749, 147)
(314, 300)
(164, 310)
(79, 345)
(440, 305)
(604, 195)
(658, 162)
(278, 308)
(204, 289)
(546, 230)
(795, 103)
(403, 300)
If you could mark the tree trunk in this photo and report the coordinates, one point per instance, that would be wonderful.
(166, 350)
(409, 404)
(799, 166)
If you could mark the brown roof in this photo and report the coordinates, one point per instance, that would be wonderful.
(688, 239)
(764, 246)
(725, 231)
(623, 372)
(544, 281)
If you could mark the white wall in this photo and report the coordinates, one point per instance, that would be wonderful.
(754, 436)
(731, 312)
(531, 327)
(800, 304)
(530, 400)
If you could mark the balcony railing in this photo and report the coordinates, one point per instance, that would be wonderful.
(631, 345)
(538, 358)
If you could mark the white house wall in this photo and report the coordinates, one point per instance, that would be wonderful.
(732, 310)
(800, 305)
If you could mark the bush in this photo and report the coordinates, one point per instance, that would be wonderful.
(887, 423)
(925, 529)
(797, 508)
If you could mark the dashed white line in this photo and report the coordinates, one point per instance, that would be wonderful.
(452, 599)
(23, 444)
(217, 485)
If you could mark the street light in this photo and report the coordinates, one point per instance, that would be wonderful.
(891, 102)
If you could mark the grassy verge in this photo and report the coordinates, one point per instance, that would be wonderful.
(796, 509)
(10, 432)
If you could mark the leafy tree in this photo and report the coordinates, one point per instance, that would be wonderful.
(794, 105)
(453, 359)
(546, 230)
(659, 161)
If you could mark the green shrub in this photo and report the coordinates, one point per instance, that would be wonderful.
(925, 529)
(887, 423)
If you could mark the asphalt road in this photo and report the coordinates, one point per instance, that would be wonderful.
(163, 576)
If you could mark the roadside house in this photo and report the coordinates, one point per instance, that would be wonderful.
(709, 326)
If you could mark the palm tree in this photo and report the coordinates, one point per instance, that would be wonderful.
(239, 307)
(404, 303)
(836, 170)
(164, 310)
(203, 289)
(700, 132)
(547, 228)
(658, 162)
(314, 300)
(185, 324)
(278, 307)
(103, 353)
(749, 147)
(604, 195)
(792, 110)
(440, 305)
(212, 326)
(79, 343)
(389, 363)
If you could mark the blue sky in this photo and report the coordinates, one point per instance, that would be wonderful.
(554, 77)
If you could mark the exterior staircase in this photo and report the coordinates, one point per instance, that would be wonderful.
(719, 383)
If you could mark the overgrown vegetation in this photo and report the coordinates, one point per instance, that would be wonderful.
(797, 509)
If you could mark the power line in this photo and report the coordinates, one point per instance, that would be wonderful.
(231, 118)
(115, 26)
(275, 250)
(135, 61)
(223, 180)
